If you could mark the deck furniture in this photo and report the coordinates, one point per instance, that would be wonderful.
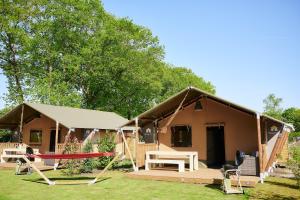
(16, 153)
(180, 163)
(249, 167)
(192, 156)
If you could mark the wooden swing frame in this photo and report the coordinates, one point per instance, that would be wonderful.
(70, 182)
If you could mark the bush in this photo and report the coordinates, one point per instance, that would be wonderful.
(105, 144)
(293, 136)
(294, 163)
(72, 166)
(88, 164)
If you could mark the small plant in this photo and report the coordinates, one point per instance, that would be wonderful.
(105, 144)
(294, 163)
(88, 164)
(72, 166)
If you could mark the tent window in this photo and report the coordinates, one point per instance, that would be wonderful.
(181, 136)
(35, 137)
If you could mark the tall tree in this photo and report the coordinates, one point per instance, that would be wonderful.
(14, 43)
(73, 53)
(272, 106)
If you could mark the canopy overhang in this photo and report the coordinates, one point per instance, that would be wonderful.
(168, 107)
(66, 116)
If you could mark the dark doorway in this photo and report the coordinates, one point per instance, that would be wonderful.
(215, 146)
(52, 140)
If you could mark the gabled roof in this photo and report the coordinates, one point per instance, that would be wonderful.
(168, 106)
(67, 116)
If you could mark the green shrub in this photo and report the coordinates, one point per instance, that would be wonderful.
(105, 144)
(72, 166)
(293, 136)
(294, 163)
(88, 164)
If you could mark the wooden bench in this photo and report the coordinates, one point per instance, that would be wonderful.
(180, 163)
(15, 153)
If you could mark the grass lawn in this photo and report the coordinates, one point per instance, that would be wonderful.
(117, 186)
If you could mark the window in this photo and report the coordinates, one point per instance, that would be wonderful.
(181, 136)
(35, 137)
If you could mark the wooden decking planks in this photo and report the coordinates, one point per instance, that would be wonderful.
(202, 176)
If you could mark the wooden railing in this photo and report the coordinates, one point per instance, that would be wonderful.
(7, 145)
(60, 147)
(141, 152)
(281, 140)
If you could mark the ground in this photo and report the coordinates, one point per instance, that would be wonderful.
(118, 186)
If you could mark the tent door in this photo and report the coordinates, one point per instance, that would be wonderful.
(215, 146)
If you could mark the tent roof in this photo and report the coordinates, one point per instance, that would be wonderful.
(167, 107)
(67, 116)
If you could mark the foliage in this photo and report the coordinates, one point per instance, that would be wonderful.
(293, 136)
(106, 144)
(292, 116)
(272, 106)
(5, 135)
(74, 53)
(88, 164)
(72, 166)
(294, 163)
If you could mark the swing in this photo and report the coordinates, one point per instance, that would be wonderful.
(27, 157)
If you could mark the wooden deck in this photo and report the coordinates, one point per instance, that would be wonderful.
(202, 176)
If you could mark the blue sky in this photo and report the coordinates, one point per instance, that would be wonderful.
(247, 49)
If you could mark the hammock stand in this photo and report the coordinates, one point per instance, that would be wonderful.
(70, 156)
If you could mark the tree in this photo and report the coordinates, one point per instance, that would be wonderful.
(292, 116)
(14, 44)
(272, 106)
(74, 53)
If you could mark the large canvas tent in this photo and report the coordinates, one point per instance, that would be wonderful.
(205, 115)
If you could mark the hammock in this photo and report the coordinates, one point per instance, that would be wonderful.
(71, 156)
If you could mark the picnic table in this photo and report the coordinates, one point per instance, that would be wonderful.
(173, 157)
(16, 153)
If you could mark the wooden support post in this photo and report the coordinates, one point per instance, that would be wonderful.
(21, 124)
(105, 169)
(260, 155)
(67, 138)
(56, 142)
(136, 138)
(38, 171)
(56, 137)
(127, 147)
(89, 137)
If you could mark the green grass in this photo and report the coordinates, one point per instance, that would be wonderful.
(118, 186)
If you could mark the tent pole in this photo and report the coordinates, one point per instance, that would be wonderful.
(136, 138)
(21, 124)
(67, 138)
(260, 155)
(128, 150)
(56, 137)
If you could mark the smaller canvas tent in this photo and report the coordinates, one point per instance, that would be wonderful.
(46, 126)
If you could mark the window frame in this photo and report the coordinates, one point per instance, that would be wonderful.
(188, 143)
(41, 134)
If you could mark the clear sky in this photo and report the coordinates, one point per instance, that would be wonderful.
(247, 49)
